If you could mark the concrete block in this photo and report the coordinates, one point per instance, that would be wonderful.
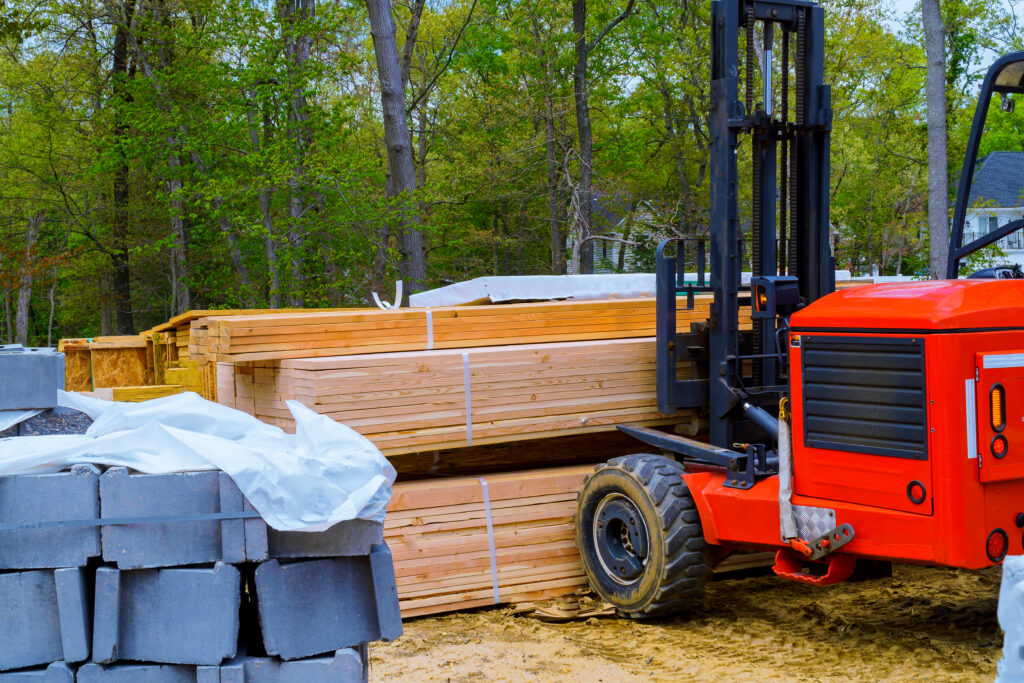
(148, 673)
(385, 590)
(30, 378)
(60, 497)
(316, 606)
(169, 544)
(167, 616)
(57, 672)
(344, 666)
(42, 618)
(345, 539)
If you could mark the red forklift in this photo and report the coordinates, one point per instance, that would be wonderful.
(875, 424)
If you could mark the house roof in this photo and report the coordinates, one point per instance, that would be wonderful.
(999, 180)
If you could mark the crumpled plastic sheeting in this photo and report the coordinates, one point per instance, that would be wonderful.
(1011, 619)
(323, 474)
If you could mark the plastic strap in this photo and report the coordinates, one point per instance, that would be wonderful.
(430, 329)
(469, 399)
(490, 542)
(92, 374)
(122, 521)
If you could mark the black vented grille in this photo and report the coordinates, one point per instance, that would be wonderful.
(865, 395)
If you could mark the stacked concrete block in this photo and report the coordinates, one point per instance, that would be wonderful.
(58, 672)
(44, 588)
(171, 616)
(43, 500)
(29, 377)
(135, 577)
(43, 618)
(315, 606)
(174, 542)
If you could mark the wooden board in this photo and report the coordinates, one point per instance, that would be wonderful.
(411, 401)
(360, 331)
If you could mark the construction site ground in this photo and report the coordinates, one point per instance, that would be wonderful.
(921, 624)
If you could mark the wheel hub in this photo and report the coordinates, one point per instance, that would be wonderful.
(620, 538)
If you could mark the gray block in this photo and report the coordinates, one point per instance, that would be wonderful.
(344, 539)
(57, 672)
(42, 620)
(345, 666)
(316, 606)
(169, 544)
(30, 378)
(60, 497)
(167, 616)
(148, 673)
(385, 590)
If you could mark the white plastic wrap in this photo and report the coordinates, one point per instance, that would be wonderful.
(501, 288)
(1011, 618)
(323, 474)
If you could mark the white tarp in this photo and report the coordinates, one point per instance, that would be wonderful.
(323, 474)
(1011, 618)
(10, 418)
(500, 288)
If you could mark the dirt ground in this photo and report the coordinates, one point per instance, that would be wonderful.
(923, 624)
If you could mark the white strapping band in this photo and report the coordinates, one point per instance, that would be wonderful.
(469, 399)
(490, 542)
(430, 329)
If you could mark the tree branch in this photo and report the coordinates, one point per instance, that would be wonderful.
(448, 61)
(611, 24)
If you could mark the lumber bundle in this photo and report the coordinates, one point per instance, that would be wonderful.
(424, 400)
(316, 335)
(444, 551)
(105, 362)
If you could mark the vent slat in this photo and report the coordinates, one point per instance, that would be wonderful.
(865, 395)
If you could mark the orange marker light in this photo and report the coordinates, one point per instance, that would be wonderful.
(762, 300)
(997, 401)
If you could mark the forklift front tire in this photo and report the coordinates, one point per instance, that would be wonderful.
(640, 538)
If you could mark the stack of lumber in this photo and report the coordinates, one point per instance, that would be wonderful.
(422, 400)
(443, 552)
(315, 335)
(105, 362)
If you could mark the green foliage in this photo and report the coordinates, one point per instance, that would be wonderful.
(254, 177)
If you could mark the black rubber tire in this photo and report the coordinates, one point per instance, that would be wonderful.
(678, 562)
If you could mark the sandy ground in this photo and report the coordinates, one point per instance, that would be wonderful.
(922, 624)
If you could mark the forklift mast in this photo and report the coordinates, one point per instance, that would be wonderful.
(786, 110)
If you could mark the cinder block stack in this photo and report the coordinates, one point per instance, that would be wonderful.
(198, 589)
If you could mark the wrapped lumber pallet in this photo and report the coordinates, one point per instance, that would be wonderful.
(313, 335)
(471, 542)
(105, 362)
(419, 400)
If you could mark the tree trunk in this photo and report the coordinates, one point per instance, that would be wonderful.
(120, 243)
(938, 177)
(584, 188)
(181, 296)
(295, 15)
(401, 180)
(25, 279)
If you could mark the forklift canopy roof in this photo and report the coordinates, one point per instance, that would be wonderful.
(932, 305)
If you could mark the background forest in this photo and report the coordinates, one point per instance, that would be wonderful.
(162, 155)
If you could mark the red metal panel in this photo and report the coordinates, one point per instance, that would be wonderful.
(1006, 370)
(874, 480)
